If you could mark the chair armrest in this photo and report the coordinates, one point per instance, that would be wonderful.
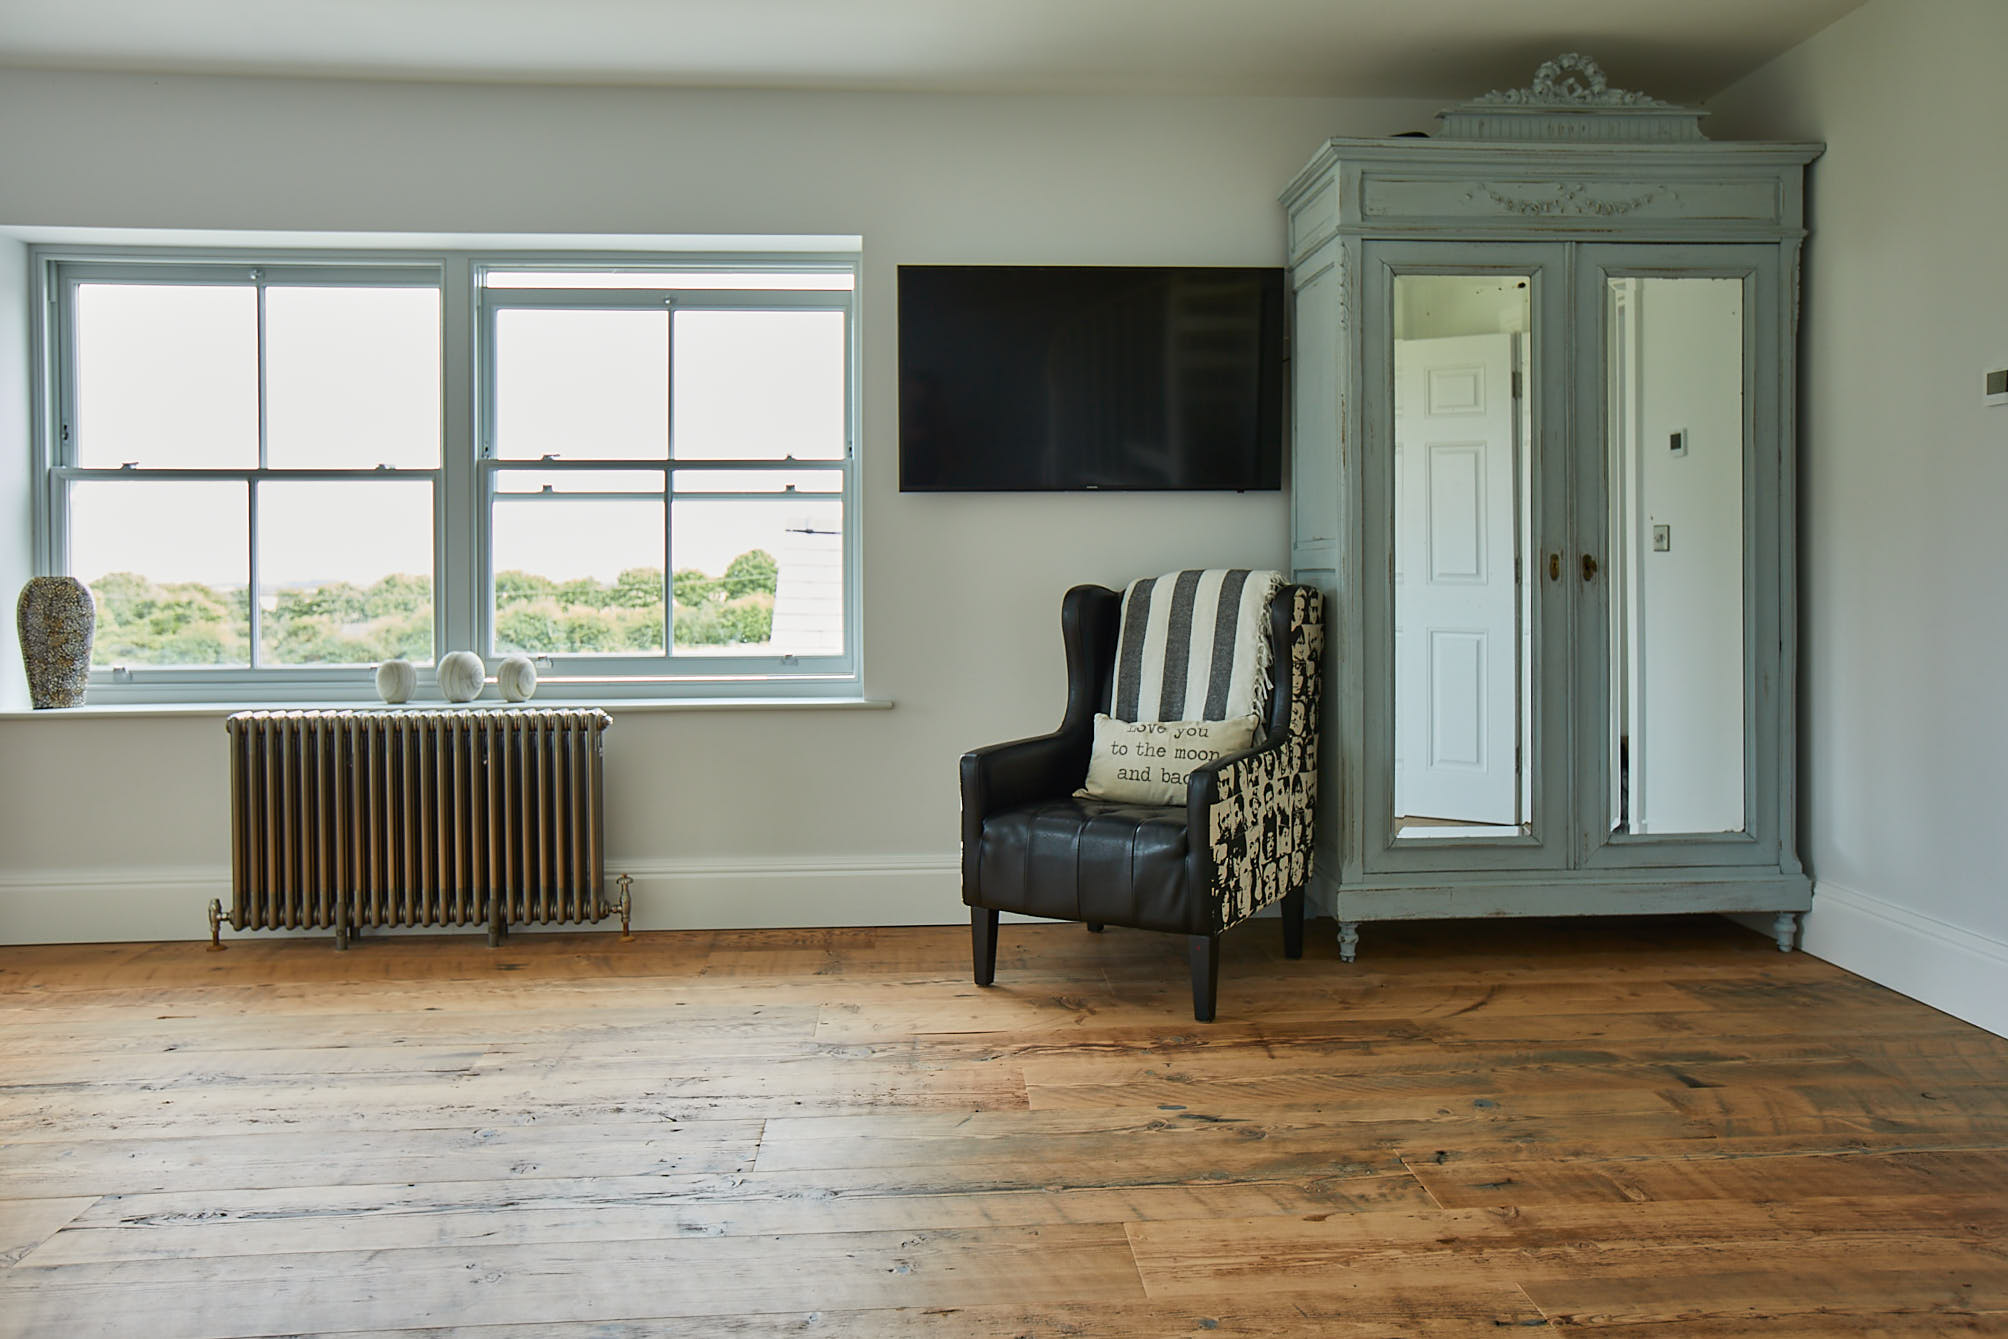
(1255, 813)
(1204, 784)
(1229, 774)
(1003, 776)
(1252, 815)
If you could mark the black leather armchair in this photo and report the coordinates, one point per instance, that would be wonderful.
(1241, 841)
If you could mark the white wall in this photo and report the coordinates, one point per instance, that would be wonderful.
(116, 829)
(1904, 479)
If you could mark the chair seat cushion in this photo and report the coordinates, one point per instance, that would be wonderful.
(1084, 859)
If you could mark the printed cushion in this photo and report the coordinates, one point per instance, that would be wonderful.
(1147, 762)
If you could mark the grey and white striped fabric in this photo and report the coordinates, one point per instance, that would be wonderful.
(1195, 646)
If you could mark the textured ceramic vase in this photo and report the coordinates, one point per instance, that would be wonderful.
(461, 676)
(517, 678)
(396, 681)
(56, 620)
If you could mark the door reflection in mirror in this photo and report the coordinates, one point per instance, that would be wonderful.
(1675, 435)
(1463, 677)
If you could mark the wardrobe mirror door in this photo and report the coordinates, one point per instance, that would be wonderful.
(1463, 681)
(1675, 483)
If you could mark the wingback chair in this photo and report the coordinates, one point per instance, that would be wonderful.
(1240, 841)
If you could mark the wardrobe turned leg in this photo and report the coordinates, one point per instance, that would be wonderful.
(1204, 953)
(1095, 927)
(983, 944)
(1293, 924)
(1786, 930)
(1349, 940)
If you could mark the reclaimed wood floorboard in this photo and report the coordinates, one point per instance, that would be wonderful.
(1642, 1129)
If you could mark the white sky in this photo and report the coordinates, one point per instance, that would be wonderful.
(168, 377)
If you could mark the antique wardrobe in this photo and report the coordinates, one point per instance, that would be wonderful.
(1543, 462)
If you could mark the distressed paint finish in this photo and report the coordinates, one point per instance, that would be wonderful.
(1561, 181)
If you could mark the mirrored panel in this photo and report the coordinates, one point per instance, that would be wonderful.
(1463, 678)
(1676, 562)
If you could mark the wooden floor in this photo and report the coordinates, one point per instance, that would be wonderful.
(1650, 1128)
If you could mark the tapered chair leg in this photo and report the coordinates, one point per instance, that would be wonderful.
(1203, 951)
(983, 944)
(1293, 924)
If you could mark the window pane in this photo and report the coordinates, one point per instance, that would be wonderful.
(167, 375)
(578, 577)
(758, 578)
(168, 565)
(759, 481)
(351, 378)
(532, 482)
(759, 385)
(344, 572)
(742, 280)
(581, 384)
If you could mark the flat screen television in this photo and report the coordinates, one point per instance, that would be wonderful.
(1043, 378)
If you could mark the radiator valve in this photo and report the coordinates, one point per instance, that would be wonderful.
(626, 907)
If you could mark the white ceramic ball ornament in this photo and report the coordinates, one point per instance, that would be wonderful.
(517, 678)
(461, 676)
(396, 681)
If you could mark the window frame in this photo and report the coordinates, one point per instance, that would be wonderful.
(490, 467)
(463, 481)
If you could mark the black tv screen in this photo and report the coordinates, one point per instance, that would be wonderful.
(1054, 378)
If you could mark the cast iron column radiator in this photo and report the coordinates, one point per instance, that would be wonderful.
(346, 819)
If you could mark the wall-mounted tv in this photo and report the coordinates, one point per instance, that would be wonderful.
(1030, 378)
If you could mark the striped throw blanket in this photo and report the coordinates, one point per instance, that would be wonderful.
(1195, 646)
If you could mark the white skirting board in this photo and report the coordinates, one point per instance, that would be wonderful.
(109, 905)
(1951, 968)
(79, 906)
(126, 904)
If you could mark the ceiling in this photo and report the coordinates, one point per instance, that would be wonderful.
(1681, 49)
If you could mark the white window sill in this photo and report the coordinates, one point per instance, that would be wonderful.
(612, 706)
